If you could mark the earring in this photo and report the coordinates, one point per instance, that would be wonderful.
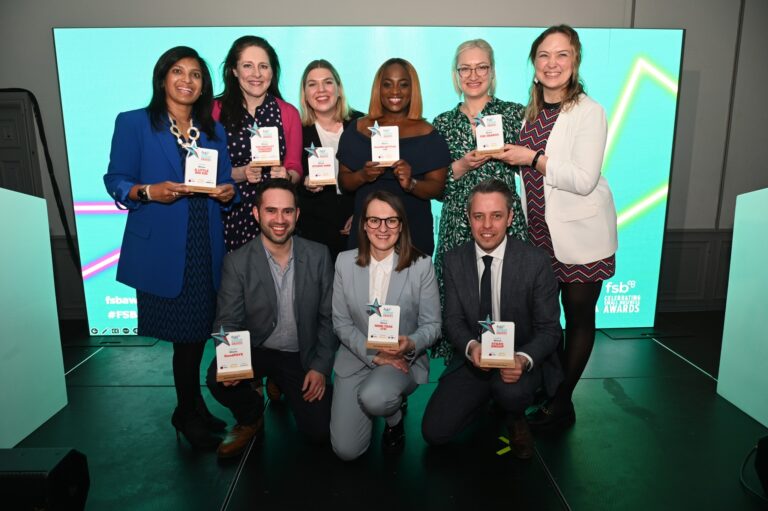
(535, 80)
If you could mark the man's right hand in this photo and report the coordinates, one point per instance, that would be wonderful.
(474, 354)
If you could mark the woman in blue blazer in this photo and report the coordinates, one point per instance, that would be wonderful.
(173, 243)
(385, 269)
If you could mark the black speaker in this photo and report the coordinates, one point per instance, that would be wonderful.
(761, 462)
(43, 479)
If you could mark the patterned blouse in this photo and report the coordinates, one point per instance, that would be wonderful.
(456, 128)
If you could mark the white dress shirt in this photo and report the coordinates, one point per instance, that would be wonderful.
(378, 275)
(331, 139)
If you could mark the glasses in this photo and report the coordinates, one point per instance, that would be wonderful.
(374, 222)
(481, 70)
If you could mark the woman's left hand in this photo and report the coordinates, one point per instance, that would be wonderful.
(515, 155)
(278, 173)
(223, 193)
(402, 170)
(404, 345)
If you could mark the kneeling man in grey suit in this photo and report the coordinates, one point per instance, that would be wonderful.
(495, 275)
(278, 287)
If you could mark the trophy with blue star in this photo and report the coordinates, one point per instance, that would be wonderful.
(254, 130)
(233, 355)
(385, 144)
(489, 132)
(220, 337)
(374, 308)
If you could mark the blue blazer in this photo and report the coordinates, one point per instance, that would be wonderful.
(153, 253)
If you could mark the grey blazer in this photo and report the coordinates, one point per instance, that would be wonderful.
(528, 297)
(247, 299)
(414, 289)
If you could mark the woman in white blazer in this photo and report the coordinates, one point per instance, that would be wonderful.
(568, 204)
(385, 269)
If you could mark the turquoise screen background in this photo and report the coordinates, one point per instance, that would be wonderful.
(633, 73)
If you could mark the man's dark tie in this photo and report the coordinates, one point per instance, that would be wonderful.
(486, 307)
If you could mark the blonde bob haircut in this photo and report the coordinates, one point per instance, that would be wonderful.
(480, 44)
(575, 86)
(308, 116)
(415, 109)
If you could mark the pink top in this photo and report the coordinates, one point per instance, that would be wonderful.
(292, 130)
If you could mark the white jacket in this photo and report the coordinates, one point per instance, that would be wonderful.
(580, 211)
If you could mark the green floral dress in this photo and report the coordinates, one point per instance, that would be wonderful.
(454, 230)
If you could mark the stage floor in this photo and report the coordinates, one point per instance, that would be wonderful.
(651, 432)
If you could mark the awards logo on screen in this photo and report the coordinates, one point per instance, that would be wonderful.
(619, 298)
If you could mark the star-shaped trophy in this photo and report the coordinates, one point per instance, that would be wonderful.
(254, 130)
(192, 149)
(375, 130)
(374, 308)
(479, 120)
(220, 337)
(486, 325)
(312, 150)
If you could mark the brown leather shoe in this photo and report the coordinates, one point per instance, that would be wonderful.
(273, 390)
(238, 438)
(520, 439)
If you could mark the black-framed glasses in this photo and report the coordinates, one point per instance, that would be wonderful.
(481, 70)
(374, 222)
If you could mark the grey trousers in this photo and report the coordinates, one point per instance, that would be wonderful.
(357, 399)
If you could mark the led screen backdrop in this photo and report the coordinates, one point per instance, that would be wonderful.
(633, 73)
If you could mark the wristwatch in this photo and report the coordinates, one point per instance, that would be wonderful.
(142, 193)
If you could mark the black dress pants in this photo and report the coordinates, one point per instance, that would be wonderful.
(247, 405)
(463, 392)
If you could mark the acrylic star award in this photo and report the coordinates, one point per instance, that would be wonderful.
(321, 165)
(489, 132)
(497, 344)
(265, 146)
(383, 326)
(385, 144)
(200, 168)
(233, 355)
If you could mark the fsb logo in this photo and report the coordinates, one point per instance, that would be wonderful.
(619, 287)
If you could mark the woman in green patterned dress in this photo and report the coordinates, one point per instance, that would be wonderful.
(474, 77)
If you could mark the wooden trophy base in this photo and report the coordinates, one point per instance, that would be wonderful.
(201, 189)
(380, 345)
(247, 374)
(489, 152)
(501, 363)
(267, 163)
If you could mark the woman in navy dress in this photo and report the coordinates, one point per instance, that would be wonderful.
(419, 175)
(173, 245)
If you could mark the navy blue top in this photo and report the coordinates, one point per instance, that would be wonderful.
(424, 153)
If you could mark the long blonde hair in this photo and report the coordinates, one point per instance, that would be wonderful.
(308, 116)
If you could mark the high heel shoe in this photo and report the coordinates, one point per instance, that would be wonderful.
(211, 421)
(194, 428)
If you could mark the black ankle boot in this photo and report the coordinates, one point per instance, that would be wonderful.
(211, 421)
(393, 439)
(194, 428)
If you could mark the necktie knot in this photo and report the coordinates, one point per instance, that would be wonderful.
(487, 260)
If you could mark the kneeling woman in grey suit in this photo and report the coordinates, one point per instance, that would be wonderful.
(385, 269)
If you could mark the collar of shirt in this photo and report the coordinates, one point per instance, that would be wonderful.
(273, 262)
(496, 253)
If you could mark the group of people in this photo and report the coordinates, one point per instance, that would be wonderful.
(257, 252)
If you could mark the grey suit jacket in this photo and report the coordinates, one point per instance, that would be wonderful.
(528, 297)
(414, 289)
(247, 299)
